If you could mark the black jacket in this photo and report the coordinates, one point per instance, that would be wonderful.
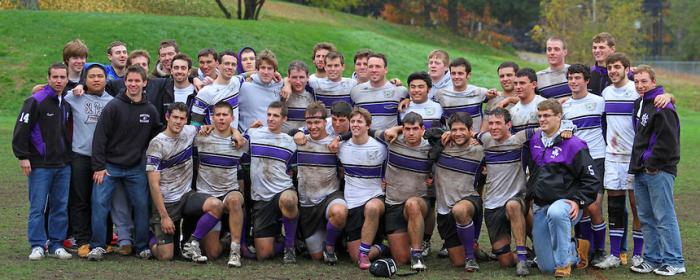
(123, 132)
(40, 133)
(562, 171)
(657, 143)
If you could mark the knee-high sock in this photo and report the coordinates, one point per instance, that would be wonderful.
(585, 230)
(290, 231)
(638, 238)
(466, 236)
(332, 234)
(599, 236)
(205, 223)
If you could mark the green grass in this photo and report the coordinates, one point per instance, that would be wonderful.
(32, 40)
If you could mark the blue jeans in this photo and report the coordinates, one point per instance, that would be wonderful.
(48, 184)
(551, 235)
(657, 214)
(121, 216)
(134, 181)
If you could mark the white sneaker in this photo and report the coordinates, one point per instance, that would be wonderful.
(96, 254)
(145, 254)
(192, 251)
(61, 254)
(37, 254)
(609, 262)
(234, 259)
(637, 260)
(643, 267)
(669, 270)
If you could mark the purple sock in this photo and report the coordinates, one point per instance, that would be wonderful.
(585, 229)
(204, 225)
(522, 253)
(638, 238)
(152, 240)
(332, 234)
(477, 229)
(244, 232)
(599, 236)
(290, 231)
(466, 236)
(279, 247)
(416, 252)
(616, 241)
(365, 248)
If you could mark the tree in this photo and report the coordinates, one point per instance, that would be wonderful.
(577, 21)
(223, 9)
(248, 9)
(685, 29)
(30, 4)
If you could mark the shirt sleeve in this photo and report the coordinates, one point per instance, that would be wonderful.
(21, 138)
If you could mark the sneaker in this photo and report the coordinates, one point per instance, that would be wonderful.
(636, 260)
(522, 269)
(145, 254)
(443, 254)
(61, 254)
(192, 251)
(417, 262)
(329, 256)
(624, 256)
(289, 256)
(363, 261)
(96, 254)
(609, 262)
(669, 270)
(598, 257)
(481, 255)
(37, 254)
(426, 248)
(125, 250)
(644, 267)
(583, 246)
(470, 265)
(109, 250)
(84, 250)
(562, 272)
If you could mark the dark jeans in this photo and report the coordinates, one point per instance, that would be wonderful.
(79, 201)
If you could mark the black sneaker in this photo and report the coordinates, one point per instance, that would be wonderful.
(417, 262)
(598, 257)
(289, 256)
(669, 270)
(644, 267)
(329, 256)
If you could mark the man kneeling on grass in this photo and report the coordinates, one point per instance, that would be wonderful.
(169, 166)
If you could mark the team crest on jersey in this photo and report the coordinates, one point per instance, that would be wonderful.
(644, 119)
(590, 106)
(372, 156)
(388, 93)
(555, 152)
(429, 111)
(144, 118)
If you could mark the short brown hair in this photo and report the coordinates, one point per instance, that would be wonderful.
(380, 56)
(555, 38)
(207, 52)
(182, 56)
(333, 55)
(299, 66)
(280, 105)
(461, 61)
(604, 37)
(74, 48)
(621, 57)
(445, 57)
(642, 68)
(322, 46)
(362, 53)
(136, 69)
(362, 112)
(315, 108)
(57, 66)
(137, 53)
(168, 43)
(550, 104)
(266, 56)
(114, 44)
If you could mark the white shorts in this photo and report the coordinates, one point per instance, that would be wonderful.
(616, 176)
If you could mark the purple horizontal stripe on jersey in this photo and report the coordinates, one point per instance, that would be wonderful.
(619, 107)
(364, 171)
(329, 100)
(492, 157)
(404, 162)
(515, 129)
(180, 157)
(257, 150)
(317, 159)
(555, 91)
(218, 160)
(233, 100)
(381, 109)
(587, 122)
(295, 114)
(458, 164)
(474, 110)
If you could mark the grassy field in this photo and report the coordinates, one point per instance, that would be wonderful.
(32, 40)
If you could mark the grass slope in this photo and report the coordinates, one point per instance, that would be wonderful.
(32, 40)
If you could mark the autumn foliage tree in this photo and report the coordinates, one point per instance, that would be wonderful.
(577, 21)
